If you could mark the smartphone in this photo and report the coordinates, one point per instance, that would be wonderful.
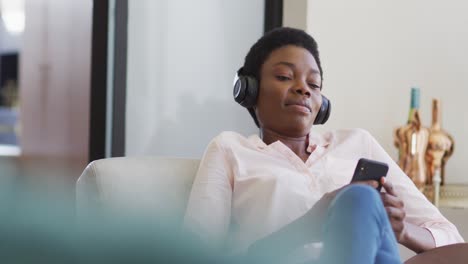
(367, 169)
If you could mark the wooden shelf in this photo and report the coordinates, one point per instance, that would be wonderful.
(451, 195)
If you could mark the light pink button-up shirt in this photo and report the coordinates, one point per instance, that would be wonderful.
(245, 190)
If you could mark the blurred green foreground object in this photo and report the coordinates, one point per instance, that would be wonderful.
(39, 228)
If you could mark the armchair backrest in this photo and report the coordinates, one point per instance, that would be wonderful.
(150, 185)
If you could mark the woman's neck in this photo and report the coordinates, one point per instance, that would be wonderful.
(297, 144)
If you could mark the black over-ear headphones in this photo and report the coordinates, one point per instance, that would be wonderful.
(246, 93)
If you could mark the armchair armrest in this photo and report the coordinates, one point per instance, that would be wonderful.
(450, 254)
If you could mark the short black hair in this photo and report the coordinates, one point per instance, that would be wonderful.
(271, 41)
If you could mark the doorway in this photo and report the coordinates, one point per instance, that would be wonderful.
(11, 31)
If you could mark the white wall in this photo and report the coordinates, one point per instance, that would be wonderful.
(182, 56)
(374, 51)
(295, 13)
(55, 69)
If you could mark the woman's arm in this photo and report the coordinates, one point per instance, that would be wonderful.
(306, 229)
(208, 210)
(417, 238)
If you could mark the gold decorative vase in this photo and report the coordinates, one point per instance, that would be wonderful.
(411, 141)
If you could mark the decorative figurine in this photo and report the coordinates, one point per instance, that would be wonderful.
(440, 146)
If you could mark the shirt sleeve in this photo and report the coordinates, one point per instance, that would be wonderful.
(419, 210)
(208, 210)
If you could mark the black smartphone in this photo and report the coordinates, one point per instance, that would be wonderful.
(367, 169)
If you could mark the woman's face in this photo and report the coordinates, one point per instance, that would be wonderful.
(289, 95)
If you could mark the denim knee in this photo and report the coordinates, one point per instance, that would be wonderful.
(358, 196)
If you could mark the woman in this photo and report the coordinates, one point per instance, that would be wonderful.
(279, 192)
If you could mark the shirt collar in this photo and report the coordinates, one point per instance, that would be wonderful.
(315, 138)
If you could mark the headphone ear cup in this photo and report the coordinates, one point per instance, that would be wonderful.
(240, 85)
(246, 91)
(324, 112)
(251, 92)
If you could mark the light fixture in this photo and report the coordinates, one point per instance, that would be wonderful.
(13, 15)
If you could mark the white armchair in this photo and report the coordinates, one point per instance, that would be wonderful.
(150, 185)
(161, 186)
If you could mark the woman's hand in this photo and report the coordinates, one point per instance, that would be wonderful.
(395, 210)
(410, 235)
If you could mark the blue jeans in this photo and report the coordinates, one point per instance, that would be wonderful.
(357, 229)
